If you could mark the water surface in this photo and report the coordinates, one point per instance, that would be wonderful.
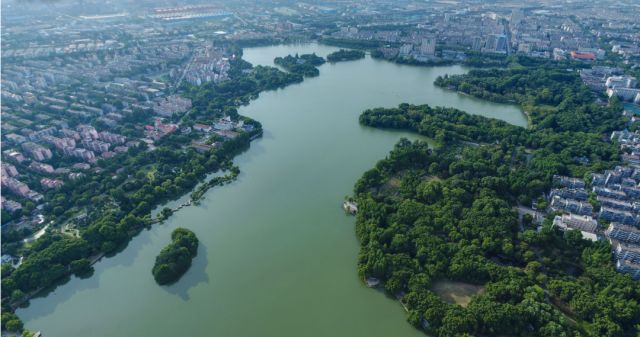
(277, 254)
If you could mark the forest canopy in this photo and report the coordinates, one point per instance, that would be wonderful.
(447, 212)
(345, 55)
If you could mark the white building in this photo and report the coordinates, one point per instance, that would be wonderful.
(625, 94)
(621, 82)
(584, 223)
(406, 49)
(428, 46)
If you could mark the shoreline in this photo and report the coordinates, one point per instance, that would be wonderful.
(526, 114)
(97, 257)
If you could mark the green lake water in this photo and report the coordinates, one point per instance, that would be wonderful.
(277, 253)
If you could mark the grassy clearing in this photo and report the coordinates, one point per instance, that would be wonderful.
(459, 293)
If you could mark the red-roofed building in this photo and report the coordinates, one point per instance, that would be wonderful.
(583, 56)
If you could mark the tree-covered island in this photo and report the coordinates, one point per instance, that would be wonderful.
(305, 64)
(345, 55)
(175, 259)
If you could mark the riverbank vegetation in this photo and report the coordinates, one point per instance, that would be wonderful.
(553, 97)
(345, 55)
(451, 216)
(304, 65)
(175, 259)
(199, 192)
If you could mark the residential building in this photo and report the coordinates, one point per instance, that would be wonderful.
(623, 233)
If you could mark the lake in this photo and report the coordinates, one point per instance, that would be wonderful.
(277, 253)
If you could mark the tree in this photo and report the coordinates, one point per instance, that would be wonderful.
(82, 266)
(14, 325)
(17, 295)
(166, 213)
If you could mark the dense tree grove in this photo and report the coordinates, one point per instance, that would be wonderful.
(441, 123)
(531, 156)
(429, 214)
(10, 322)
(51, 259)
(175, 259)
(447, 213)
(553, 97)
(304, 65)
(345, 55)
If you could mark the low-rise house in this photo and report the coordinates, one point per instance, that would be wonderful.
(621, 82)
(108, 154)
(75, 175)
(609, 193)
(11, 206)
(201, 147)
(224, 124)
(51, 183)
(60, 143)
(631, 191)
(16, 186)
(579, 222)
(568, 182)
(631, 158)
(62, 170)
(615, 215)
(35, 196)
(628, 182)
(585, 224)
(625, 94)
(37, 152)
(202, 127)
(570, 193)
(41, 167)
(87, 132)
(83, 154)
(626, 252)
(15, 138)
(571, 206)
(96, 145)
(618, 204)
(8, 170)
(112, 138)
(624, 233)
(120, 149)
(14, 155)
(81, 166)
(624, 266)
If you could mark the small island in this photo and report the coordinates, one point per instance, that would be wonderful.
(304, 65)
(345, 55)
(175, 259)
